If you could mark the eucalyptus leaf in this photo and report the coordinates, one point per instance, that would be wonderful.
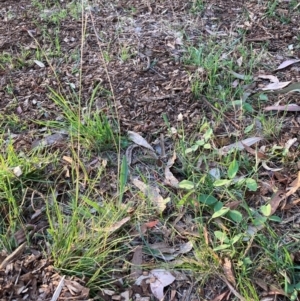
(266, 210)
(251, 184)
(207, 199)
(221, 236)
(235, 216)
(187, 185)
(221, 182)
(220, 212)
(222, 247)
(275, 218)
(233, 169)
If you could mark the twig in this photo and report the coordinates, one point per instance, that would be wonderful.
(232, 289)
(162, 145)
(12, 256)
(217, 110)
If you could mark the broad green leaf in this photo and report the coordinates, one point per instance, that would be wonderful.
(207, 146)
(185, 184)
(200, 142)
(249, 128)
(208, 134)
(263, 97)
(297, 286)
(247, 107)
(218, 206)
(266, 210)
(221, 182)
(220, 212)
(191, 149)
(260, 220)
(233, 169)
(236, 238)
(221, 236)
(207, 199)
(235, 216)
(275, 218)
(251, 184)
(222, 247)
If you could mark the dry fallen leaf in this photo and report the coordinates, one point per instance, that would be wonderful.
(139, 140)
(272, 78)
(288, 108)
(276, 86)
(136, 262)
(117, 225)
(294, 186)
(163, 278)
(169, 177)
(239, 145)
(286, 64)
(276, 200)
(228, 270)
(153, 194)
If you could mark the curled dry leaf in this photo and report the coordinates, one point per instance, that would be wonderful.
(239, 145)
(139, 140)
(228, 270)
(288, 108)
(169, 177)
(162, 278)
(276, 86)
(266, 167)
(294, 186)
(118, 225)
(272, 78)
(286, 64)
(276, 200)
(153, 194)
(39, 63)
(136, 262)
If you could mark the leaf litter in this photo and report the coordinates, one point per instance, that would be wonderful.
(164, 87)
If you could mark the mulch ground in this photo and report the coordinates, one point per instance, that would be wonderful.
(142, 45)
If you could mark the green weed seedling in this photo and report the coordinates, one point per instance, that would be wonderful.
(197, 6)
(125, 53)
(202, 143)
(225, 242)
(92, 128)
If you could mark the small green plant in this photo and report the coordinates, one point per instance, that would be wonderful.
(271, 125)
(92, 128)
(271, 8)
(125, 53)
(17, 173)
(6, 60)
(224, 242)
(197, 6)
